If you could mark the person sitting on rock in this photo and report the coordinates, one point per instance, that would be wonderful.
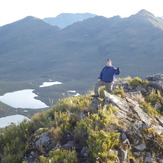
(106, 77)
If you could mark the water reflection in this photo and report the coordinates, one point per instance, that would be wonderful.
(22, 99)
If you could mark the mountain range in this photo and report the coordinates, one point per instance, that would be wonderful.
(65, 19)
(32, 49)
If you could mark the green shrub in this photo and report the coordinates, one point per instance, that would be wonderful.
(138, 82)
(155, 98)
(149, 109)
(72, 104)
(13, 142)
(99, 143)
(92, 128)
(60, 156)
(119, 91)
(101, 92)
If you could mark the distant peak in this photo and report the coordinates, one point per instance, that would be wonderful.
(31, 18)
(144, 12)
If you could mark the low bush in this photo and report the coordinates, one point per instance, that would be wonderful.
(138, 82)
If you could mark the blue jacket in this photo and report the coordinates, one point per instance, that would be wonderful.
(107, 74)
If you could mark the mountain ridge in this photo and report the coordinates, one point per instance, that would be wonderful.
(39, 51)
(65, 19)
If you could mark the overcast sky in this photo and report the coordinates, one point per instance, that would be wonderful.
(13, 10)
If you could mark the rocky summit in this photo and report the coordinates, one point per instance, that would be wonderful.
(124, 126)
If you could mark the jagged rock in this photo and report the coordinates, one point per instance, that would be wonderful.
(140, 147)
(84, 152)
(31, 157)
(160, 160)
(137, 154)
(126, 144)
(145, 118)
(44, 142)
(160, 120)
(81, 115)
(125, 109)
(135, 93)
(141, 89)
(123, 84)
(66, 137)
(58, 145)
(158, 106)
(68, 145)
(123, 137)
(158, 129)
(123, 155)
(148, 158)
(142, 115)
(149, 90)
(117, 101)
(40, 144)
(95, 103)
(156, 77)
(156, 81)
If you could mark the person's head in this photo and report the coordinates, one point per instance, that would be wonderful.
(108, 62)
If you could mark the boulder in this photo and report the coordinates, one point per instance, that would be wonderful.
(44, 142)
(69, 145)
(157, 105)
(149, 158)
(84, 152)
(140, 147)
(31, 157)
(95, 103)
(141, 89)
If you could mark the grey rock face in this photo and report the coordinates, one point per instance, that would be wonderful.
(156, 81)
(95, 103)
(123, 154)
(84, 152)
(44, 141)
(140, 147)
(156, 77)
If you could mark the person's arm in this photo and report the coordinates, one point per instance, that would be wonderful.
(117, 71)
(101, 73)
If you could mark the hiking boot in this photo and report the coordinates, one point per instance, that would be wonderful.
(95, 95)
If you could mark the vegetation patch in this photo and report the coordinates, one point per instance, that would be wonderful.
(136, 81)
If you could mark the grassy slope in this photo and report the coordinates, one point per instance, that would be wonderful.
(98, 131)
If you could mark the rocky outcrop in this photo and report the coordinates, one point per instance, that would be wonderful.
(130, 107)
(136, 122)
(156, 81)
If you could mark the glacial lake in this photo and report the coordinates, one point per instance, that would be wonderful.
(48, 84)
(22, 99)
(8, 120)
